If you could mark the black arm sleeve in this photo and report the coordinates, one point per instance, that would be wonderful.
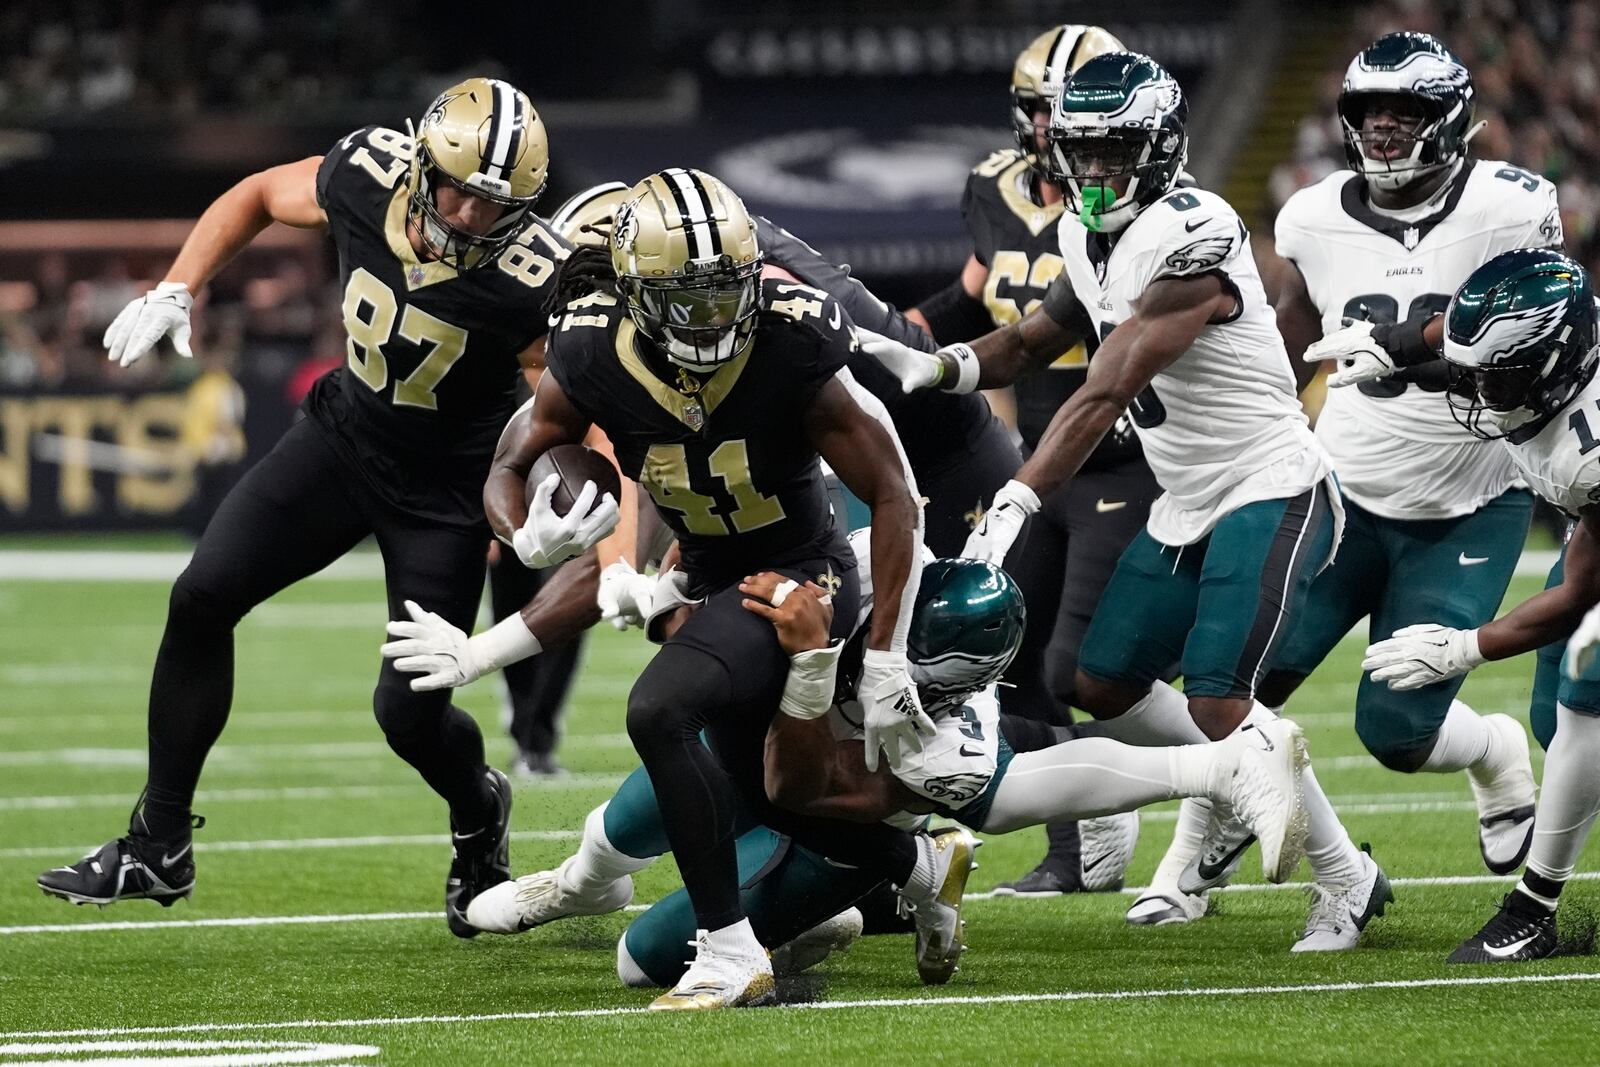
(1061, 303)
(1403, 341)
(953, 314)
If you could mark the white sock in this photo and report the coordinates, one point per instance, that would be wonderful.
(1334, 860)
(1161, 718)
(1194, 814)
(631, 973)
(1093, 776)
(1569, 797)
(736, 940)
(1465, 740)
(598, 863)
(925, 876)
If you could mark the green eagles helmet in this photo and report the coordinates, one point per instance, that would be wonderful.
(966, 627)
(1420, 69)
(1120, 115)
(1519, 342)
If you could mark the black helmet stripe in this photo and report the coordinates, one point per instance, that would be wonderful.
(690, 197)
(506, 123)
(705, 198)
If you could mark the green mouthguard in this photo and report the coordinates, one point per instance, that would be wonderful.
(1097, 200)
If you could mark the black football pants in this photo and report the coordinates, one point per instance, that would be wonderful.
(299, 509)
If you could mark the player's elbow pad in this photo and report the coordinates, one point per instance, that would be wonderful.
(953, 314)
(1404, 343)
(808, 692)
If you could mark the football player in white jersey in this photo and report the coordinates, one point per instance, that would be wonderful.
(1435, 517)
(1249, 511)
(1520, 342)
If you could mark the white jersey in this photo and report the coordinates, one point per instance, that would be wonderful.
(1562, 461)
(1398, 451)
(1221, 426)
(956, 764)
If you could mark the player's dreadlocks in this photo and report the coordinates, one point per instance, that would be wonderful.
(585, 271)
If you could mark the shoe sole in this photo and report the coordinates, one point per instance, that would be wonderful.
(166, 900)
(1292, 849)
(761, 991)
(1173, 915)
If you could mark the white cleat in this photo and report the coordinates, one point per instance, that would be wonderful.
(714, 981)
(818, 943)
(1338, 915)
(535, 899)
(940, 928)
(1268, 794)
(1504, 795)
(1166, 907)
(1106, 848)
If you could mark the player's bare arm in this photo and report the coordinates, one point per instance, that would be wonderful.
(1298, 321)
(1553, 614)
(1025, 346)
(1166, 323)
(549, 421)
(286, 194)
(867, 460)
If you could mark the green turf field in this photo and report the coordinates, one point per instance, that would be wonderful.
(315, 935)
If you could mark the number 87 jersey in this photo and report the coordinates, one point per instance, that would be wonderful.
(431, 354)
(1399, 452)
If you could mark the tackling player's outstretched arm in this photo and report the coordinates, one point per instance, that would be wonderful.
(1553, 614)
(1169, 317)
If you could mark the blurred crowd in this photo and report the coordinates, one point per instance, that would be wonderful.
(1536, 67)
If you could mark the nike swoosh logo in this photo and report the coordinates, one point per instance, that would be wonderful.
(1098, 860)
(834, 325)
(168, 861)
(1190, 227)
(1209, 871)
(1103, 506)
(1471, 561)
(1507, 951)
(964, 751)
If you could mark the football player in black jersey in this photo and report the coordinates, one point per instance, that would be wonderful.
(1072, 545)
(719, 392)
(445, 272)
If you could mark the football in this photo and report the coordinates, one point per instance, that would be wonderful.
(575, 465)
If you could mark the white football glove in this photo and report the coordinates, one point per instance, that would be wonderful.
(1583, 646)
(1421, 655)
(1361, 359)
(547, 538)
(892, 715)
(446, 657)
(625, 595)
(136, 329)
(998, 529)
(917, 369)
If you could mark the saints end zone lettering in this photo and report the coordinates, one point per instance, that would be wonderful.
(108, 456)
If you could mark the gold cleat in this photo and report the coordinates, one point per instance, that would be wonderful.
(717, 981)
(940, 928)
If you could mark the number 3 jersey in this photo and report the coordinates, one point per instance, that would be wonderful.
(726, 455)
(431, 368)
(1398, 451)
(1220, 426)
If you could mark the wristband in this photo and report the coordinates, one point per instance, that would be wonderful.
(1469, 648)
(808, 691)
(507, 641)
(966, 368)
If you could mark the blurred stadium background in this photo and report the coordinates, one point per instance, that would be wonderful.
(853, 125)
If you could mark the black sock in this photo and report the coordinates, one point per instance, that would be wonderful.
(1064, 854)
(1536, 891)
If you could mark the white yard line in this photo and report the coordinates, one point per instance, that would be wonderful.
(836, 1005)
(411, 916)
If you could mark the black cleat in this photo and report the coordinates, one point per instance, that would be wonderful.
(134, 867)
(1520, 931)
(1043, 881)
(480, 860)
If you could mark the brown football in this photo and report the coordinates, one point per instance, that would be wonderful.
(574, 465)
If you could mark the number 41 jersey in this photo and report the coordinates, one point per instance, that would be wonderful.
(1399, 452)
(725, 456)
(431, 367)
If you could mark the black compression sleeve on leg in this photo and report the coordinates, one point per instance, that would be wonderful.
(954, 315)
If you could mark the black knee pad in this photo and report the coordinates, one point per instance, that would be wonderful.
(194, 604)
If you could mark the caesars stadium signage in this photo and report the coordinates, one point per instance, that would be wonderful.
(95, 460)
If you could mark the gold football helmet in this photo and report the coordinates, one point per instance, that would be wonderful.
(688, 263)
(585, 218)
(483, 137)
(1044, 67)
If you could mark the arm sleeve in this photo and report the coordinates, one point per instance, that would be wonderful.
(955, 314)
(1061, 303)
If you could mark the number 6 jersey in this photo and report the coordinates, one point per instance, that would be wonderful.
(1398, 451)
(725, 456)
(1220, 426)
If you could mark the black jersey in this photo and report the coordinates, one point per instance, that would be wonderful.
(1015, 237)
(724, 455)
(432, 366)
(935, 428)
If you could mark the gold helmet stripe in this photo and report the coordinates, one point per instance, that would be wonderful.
(505, 130)
(695, 212)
